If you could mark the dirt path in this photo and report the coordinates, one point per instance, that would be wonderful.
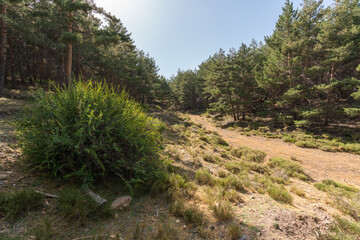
(343, 167)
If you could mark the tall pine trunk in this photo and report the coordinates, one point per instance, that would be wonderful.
(69, 51)
(3, 47)
(12, 65)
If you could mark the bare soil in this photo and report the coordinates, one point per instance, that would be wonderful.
(339, 166)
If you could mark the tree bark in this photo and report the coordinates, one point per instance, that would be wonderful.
(12, 65)
(3, 47)
(69, 50)
(332, 73)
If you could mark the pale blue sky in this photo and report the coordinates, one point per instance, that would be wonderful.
(183, 33)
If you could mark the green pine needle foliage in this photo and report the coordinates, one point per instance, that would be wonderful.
(89, 131)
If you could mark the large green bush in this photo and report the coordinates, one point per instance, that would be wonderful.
(88, 132)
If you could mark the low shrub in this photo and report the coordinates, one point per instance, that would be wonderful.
(234, 231)
(340, 185)
(204, 177)
(249, 154)
(193, 216)
(232, 181)
(219, 141)
(297, 191)
(306, 144)
(222, 174)
(209, 158)
(336, 188)
(234, 167)
(279, 194)
(232, 196)
(291, 168)
(89, 131)
(190, 214)
(223, 211)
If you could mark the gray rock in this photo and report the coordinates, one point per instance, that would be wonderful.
(121, 202)
(244, 237)
(3, 176)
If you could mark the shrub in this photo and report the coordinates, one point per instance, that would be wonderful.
(339, 185)
(219, 141)
(232, 196)
(279, 194)
(306, 144)
(233, 167)
(297, 191)
(203, 177)
(177, 208)
(257, 167)
(232, 181)
(193, 216)
(223, 211)
(88, 131)
(291, 168)
(336, 188)
(222, 174)
(249, 154)
(189, 214)
(234, 231)
(209, 158)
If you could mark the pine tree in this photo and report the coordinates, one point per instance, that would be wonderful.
(3, 8)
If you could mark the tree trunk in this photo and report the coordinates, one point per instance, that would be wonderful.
(69, 51)
(332, 73)
(41, 75)
(12, 67)
(232, 107)
(3, 47)
(289, 66)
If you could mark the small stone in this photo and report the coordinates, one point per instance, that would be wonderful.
(3, 176)
(244, 237)
(252, 197)
(184, 226)
(121, 202)
(177, 221)
(113, 236)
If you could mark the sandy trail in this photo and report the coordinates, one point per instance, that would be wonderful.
(339, 166)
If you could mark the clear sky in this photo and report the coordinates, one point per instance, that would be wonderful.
(183, 33)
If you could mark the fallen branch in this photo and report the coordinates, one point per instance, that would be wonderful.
(99, 200)
(90, 237)
(47, 194)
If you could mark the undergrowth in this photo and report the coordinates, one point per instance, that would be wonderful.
(89, 131)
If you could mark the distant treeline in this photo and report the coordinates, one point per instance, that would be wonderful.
(307, 71)
(58, 40)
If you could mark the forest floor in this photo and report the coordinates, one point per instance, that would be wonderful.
(218, 189)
